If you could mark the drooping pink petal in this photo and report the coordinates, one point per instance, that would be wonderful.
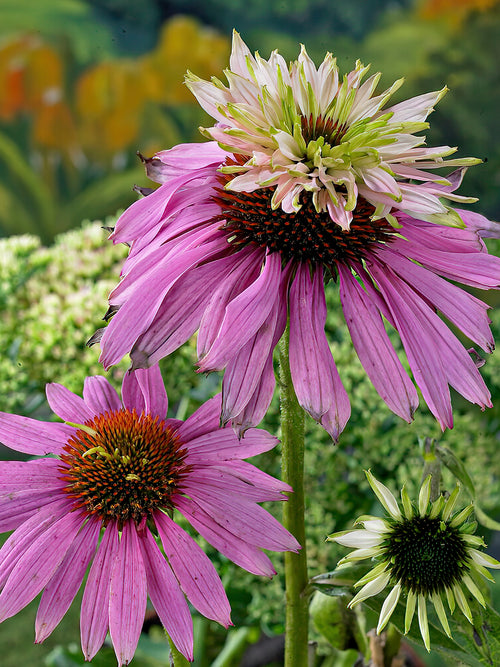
(37, 564)
(181, 312)
(374, 348)
(166, 596)
(94, 617)
(243, 273)
(127, 595)
(244, 371)
(315, 377)
(169, 164)
(467, 312)
(143, 389)
(16, 544)
(477, 222)
(239, 551)
(245, 315)
(99, 395)
(136, 315)
(67, 405)
(194, 571)
(67, 579)
(255, 409)
(32, 436)
(411, 317)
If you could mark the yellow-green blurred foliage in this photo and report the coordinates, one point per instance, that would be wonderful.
(66, 137)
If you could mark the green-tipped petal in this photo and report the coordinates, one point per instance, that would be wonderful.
(451, 599)
(407, 505)
(436, 508)
(384, 495)
(480, 558)
(411, 602)
(372, 574)
(474, 590)
(372, 588)
(440, 611)
(424, 496)
(388, 607)
(462, 516)
(422, 622)
(462, 602)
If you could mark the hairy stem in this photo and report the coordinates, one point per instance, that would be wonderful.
(292, 443)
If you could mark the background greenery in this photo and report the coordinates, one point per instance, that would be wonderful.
(83, 85)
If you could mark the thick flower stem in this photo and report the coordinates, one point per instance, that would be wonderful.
(292, 439)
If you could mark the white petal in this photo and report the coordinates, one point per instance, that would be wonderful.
(422, 621)
(372, 588)
(385, 496)
(359, 538)
(388, 607)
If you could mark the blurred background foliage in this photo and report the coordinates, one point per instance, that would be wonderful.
(83, 86)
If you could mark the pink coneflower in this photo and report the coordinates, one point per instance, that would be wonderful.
(309, 178)
(121, 469)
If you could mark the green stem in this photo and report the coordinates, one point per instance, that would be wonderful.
(292, 443)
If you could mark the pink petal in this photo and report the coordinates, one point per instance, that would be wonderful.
(166, 165)
(478, 223)
(67, 405)
(62, 588)
(374, 348)
(411, 319)
(244, 371)
(32, 436)
(244, 315)
(244, 519)
(100, 396)
(140, 309)
(17, 506)
(208, 477)
(21, 539)
(38, 563)
(166, 596)
(204, 420)
(245, 270)
(223, 444)
(254, 411)
(127, 595)
(94, 617)
(180, 313)
(242, 553)
(144, 389)
(252, 475)
(314, 374)
(465, 311)
(194, 571)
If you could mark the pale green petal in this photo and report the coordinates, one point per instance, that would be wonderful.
(422, 621)
(359, 539)
(440, 611)
(360, 554)
(411, 601)
(474, 590)
(483, 559)
(388, 607)
(372, 574)
(436, 507)
(482, 570)
(462, 516)
(451, 599)
(462, 602)
(385, 496)
(372, 588)
(407, 506)
(424, 496)
(450, 503)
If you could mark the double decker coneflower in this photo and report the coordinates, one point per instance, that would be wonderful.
(308, 177)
